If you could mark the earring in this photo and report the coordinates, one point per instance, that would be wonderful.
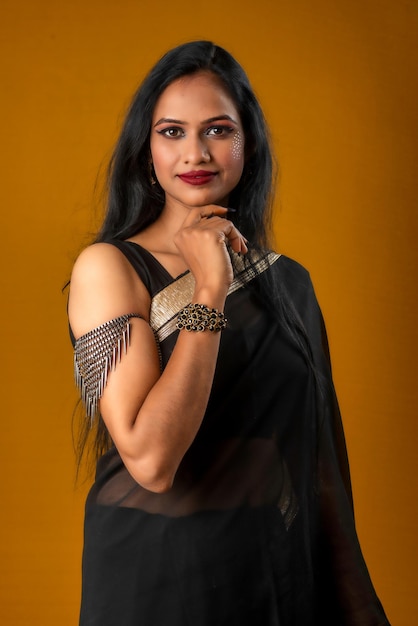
(151, 173)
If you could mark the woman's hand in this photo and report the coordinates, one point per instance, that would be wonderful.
(202, 243)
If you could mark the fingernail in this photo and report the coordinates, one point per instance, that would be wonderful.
(231, 210)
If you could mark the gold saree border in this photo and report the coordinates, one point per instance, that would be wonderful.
(166, 304)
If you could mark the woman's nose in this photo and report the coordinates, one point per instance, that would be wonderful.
(195, 150)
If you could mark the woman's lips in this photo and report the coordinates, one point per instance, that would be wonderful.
(200, 177)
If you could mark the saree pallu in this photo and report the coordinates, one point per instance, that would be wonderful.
(258, 527)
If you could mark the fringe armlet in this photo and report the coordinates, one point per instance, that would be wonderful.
(95, 355)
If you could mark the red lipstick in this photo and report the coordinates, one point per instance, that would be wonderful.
(198, 177)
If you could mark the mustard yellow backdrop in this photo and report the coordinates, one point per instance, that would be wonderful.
(337, 80)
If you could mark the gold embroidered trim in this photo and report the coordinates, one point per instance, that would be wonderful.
(166, 304)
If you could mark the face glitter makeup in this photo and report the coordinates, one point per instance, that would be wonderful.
(237, 145)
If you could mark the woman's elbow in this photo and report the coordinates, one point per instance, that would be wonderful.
(157, 484)
(151, 475)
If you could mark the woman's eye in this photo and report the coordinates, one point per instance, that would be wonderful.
(172, 132)
(219, 131)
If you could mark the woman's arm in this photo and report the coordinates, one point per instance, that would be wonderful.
(154, 418)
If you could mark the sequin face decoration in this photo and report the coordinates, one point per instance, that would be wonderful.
(237, 145)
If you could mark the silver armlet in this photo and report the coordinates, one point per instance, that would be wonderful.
(95, 355)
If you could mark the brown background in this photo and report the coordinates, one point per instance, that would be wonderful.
(337, 80)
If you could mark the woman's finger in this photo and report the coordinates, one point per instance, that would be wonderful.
(235, 238)
(229, 231)
(197, 214)
(212, 217)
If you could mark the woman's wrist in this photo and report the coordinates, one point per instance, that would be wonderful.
(213, 298)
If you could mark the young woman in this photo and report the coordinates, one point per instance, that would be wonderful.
(222, 493)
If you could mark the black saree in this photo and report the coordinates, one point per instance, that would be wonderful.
(258, 528)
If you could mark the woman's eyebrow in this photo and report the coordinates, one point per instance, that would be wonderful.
(218, 118)
(169, 120)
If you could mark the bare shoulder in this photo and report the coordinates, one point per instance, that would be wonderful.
(100, 261)
(104, 285)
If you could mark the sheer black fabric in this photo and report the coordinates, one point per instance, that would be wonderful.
(258, 528)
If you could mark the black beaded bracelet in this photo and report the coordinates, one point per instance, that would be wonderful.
(199, 317)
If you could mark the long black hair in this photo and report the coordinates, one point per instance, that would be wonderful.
(133, 202)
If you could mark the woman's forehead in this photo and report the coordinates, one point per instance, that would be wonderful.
(200, 95)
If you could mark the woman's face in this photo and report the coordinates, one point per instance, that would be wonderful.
(197, 142)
